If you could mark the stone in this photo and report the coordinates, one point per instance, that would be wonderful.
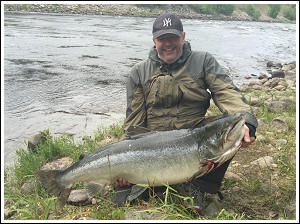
(278, 74)
(263, 76)
(247, 76)
(243, 88)
(276, 106)
(214, 207)
(280, 88)
(78, 197)
(86, 218)
(263, 162)
(61, 163)
(143, 215)
(232, 176)
(35, 140)
(279, 125)
(291, 83)
(28, 187)
(254, 101)
(8, 213)
(270, 64)
(263, 81)
(280, 142)
(260, 138)
(293, 159)
(288, 67)
(256, 87)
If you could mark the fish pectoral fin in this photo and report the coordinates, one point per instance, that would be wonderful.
(136, 191)
(82, 156)
(203, 169)
(198, 174)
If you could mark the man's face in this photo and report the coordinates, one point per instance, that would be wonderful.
(169, 47)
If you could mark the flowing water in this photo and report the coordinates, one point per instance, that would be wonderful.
(68, 72)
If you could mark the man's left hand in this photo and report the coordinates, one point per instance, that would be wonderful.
(247, 139)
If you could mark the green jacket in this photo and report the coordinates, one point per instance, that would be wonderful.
(175, 96)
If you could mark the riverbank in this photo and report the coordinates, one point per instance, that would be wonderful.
(183, 11)
(266, 169)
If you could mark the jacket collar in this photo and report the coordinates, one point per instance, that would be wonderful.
(185, 54)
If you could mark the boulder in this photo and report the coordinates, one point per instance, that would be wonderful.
(278, 74)
(79, 198)
(35, 140)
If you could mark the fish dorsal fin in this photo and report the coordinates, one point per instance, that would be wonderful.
(135, 132)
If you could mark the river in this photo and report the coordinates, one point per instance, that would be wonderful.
(68, 72)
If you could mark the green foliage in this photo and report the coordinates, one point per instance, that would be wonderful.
(225, 9)
(32, 206)
(251, 11)
(273, 10)
(198, 8)
(289, 12)
(53, 148)
(225, 215)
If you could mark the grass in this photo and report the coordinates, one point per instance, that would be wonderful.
(261, 194)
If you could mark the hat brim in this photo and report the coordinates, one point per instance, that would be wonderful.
(162, 32)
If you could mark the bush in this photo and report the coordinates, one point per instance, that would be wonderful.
(225, 9)
(251, 11)
(273, 11)
(289, 12)
(199, 8)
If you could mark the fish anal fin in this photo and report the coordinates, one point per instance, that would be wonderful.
(94, 188)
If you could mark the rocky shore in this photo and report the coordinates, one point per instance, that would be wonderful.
(280, 78)
(184, 11)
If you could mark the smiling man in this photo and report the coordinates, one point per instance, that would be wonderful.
(169, 41)
(169, 91)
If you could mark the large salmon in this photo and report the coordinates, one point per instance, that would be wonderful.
(154, 158)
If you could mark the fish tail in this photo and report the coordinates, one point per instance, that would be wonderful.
(50, 180)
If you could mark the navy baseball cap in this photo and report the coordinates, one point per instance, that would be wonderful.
(167, 23)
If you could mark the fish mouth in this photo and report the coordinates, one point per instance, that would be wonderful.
(232, 140)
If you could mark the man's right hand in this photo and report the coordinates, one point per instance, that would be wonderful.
(121, 183)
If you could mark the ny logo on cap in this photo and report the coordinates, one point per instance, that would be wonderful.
(167, 22)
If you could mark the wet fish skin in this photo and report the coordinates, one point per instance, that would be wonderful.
(154, 159)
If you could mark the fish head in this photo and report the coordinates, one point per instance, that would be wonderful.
(221, 139)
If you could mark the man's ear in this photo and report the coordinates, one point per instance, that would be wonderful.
(154, 40)
(183, 36)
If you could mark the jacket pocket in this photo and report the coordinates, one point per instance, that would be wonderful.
(164, 92)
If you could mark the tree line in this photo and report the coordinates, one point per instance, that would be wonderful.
(288, 11)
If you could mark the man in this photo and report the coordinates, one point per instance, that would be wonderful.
(169, 91)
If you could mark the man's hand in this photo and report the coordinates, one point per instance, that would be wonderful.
(121, 183)
(247, 139)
